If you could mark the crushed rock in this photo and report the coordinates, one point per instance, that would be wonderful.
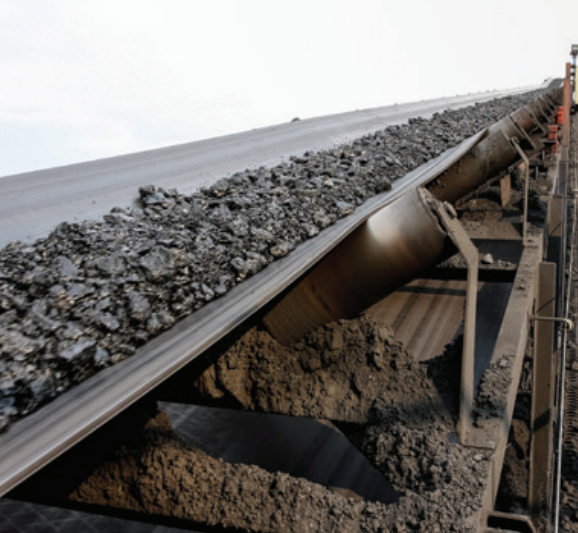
(88, 295)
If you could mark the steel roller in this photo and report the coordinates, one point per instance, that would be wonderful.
(405, 238)
(495, 153)
(384, 253)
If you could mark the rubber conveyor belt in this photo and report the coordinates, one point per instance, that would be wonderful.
(34, 203)
(44, 435)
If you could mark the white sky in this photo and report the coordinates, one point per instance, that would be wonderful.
(85, 79)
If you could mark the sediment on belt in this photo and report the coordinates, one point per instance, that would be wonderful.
(88, 295)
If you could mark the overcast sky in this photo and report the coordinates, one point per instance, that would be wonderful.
(86, 79)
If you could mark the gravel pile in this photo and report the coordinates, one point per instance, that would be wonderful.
(91, 293)
(161, 477)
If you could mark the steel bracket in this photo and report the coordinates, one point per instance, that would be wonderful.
(539, 126)
(509, 522)
(522, 154)
(541, 449)
(470, 435)
(524, 137)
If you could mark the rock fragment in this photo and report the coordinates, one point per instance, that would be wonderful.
(76, 350)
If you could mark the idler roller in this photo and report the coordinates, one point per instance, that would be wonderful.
(404, 238)
(387, 251)
(494, 153)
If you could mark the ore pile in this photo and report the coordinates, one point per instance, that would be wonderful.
(91, 293)
(314, 377)
(162, 477)
(405, 435)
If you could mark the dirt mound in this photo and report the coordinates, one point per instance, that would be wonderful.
(340, 372)
(403, 416)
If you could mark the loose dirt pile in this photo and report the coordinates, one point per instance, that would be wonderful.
(91, 293)
(513, 493)
(406, 434)
(162, 477)
(340, 372)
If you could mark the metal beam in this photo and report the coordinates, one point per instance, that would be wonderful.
(540, 484)
(469, 435)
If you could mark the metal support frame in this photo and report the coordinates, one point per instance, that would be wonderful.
(569, 324)
(569, 181)
(509, 522)
(573, 53)
(469, 434)
(542, 422)
(523, 137)
(516, 145)
(566, 105)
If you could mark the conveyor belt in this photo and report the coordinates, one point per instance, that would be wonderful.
(33, 203)
(44, 435)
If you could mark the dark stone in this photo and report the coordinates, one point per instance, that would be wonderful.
(108, 322)
(111, 265)
(158, 264)
(281, 249)
(77, 350)
(39, 276)
(139, 306)
(101, 357)
(241, 267)
(65, 268)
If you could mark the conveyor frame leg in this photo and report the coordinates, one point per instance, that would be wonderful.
(516, 145)
(541, 449)
(469, 434)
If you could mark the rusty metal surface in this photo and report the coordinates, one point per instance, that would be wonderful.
(540, 484)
